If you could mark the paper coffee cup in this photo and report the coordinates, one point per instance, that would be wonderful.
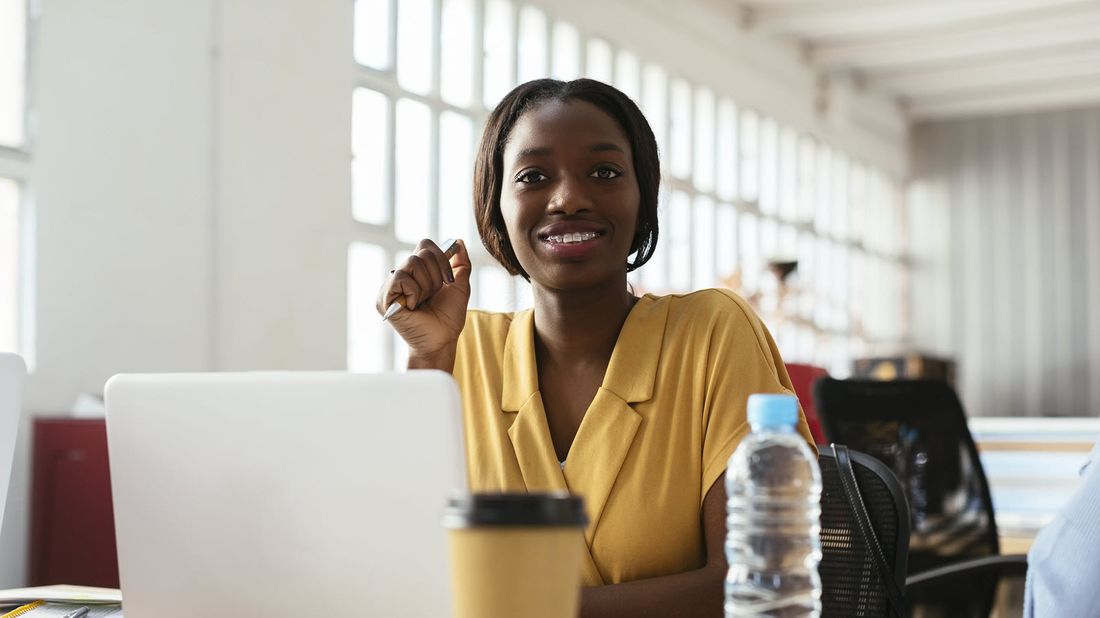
(516, 554)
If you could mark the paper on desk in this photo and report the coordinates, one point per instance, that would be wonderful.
(62, 594)
(61, 610)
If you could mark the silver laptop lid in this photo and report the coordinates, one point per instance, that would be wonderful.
(12, 373)
(266, 494)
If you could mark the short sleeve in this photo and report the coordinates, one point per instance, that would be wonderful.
(742, 359)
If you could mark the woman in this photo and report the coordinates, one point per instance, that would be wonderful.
(634, 403)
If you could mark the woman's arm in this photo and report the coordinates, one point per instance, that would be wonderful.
(694, 594)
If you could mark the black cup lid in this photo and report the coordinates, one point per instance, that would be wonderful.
(546, 509)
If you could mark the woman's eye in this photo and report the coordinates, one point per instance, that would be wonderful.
(606, 173)
(530, 177)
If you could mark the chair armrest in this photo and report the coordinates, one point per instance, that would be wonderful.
(1012, 565)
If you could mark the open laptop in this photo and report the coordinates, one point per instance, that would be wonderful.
(12, 373)
(283, 494)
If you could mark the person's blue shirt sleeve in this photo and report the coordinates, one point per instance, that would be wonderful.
(1063, 572)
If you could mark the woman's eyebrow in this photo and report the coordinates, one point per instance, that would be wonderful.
(606, 146)
(535, 151)
(542, 151)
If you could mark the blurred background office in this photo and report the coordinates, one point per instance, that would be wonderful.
(221, 185)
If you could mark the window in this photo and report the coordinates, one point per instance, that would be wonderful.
(14, 172)
(741, 188)
(13, 37)
(533, 59)
(599, 61)
(428, 72)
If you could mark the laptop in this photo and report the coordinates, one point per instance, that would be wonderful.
(12, 373)
(283, 494)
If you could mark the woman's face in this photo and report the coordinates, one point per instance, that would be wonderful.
(569, 196)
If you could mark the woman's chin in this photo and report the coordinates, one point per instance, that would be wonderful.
(574, 278)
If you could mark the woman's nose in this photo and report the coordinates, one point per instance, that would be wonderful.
(569, 197)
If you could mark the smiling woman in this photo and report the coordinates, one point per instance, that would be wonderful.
(588, 123)
(634, 403)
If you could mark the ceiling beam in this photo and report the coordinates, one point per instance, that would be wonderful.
(796, 3)
(1073, 64)
(1062, 29)
(1071, 94)
(841, 20)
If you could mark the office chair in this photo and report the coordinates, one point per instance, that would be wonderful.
(803, 378)
(851, 576)
(917, 428)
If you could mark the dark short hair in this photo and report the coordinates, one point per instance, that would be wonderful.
(489, 172)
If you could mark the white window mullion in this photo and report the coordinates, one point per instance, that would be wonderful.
(391, 165)
(379, 81)
(548, 68)
(392, 69)
(437, 47)
(479, 54)
(517, 9)
(14, 164)
(433, 177)
(666, 173)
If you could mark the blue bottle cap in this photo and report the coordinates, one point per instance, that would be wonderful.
(769, 410)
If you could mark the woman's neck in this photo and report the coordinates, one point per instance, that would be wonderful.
(579, 327)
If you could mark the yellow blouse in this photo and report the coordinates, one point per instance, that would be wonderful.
(656, 436)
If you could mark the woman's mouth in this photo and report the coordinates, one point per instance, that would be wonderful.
(571, 239)
(572, 245)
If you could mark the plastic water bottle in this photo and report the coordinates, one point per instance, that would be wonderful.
(773, 520)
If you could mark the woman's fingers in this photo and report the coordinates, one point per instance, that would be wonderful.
(424, 273)
(461, 267)
(428, 279)
(403, 286)
(434, 254)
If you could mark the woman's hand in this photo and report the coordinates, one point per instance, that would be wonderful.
(436, 292)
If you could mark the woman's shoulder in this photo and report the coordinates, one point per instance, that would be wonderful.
(714, 314)
(485, 328)
(482, 319)
(710, 307)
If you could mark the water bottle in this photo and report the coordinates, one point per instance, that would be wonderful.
(773, 519)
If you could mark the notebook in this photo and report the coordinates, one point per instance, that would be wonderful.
(40, 609)
(59, 602)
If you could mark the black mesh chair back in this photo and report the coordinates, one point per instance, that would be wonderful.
(851, 584)
(917, 428)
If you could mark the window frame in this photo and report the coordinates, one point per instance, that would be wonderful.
(16, 165)
(810, 208)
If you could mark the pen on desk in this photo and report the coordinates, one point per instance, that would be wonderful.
(77, 613)
(449, 247)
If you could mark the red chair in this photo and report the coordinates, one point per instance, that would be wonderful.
(803, 378)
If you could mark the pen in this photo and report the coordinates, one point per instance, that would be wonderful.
(448, 248)
(77, 613)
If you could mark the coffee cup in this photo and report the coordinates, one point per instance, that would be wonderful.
(516, 554)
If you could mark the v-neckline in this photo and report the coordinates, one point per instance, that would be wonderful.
(603, 382)
(610, 424)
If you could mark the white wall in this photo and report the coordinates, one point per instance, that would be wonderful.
(192, 183)
(1006, 232)
(123, 230)
(283, 191)
(191, 171)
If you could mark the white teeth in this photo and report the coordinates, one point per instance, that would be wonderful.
(572, 238)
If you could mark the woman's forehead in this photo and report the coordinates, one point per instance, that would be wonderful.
(572, 122)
